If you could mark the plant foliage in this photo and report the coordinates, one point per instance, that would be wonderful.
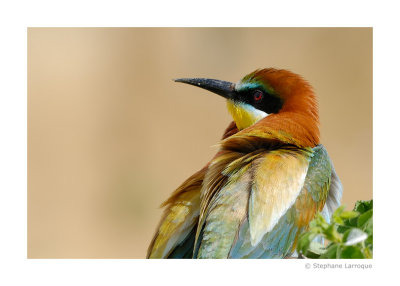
(348, 235)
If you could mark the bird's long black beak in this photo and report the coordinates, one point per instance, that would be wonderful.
(224, 88)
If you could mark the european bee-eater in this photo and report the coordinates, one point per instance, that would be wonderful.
(266, 183)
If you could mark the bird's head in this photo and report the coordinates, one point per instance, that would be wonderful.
(265, 95)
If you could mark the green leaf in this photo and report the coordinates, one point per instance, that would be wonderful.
(362, 220)
(343, 228)
(305, 241)
(363, 206)
(338, 211)
(368, 227)
(360, 207)
(354, 236)
(349, 214)
(351, 252)
(352, 222)
(368, 252)
(338, 220)
(319, 221)
(369, 240)
(317, 248)
(340, 215)
(332, 234)
(331, 251)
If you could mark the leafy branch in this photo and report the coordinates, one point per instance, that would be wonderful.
(348, 235)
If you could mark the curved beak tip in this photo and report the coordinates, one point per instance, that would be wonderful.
(223, 88)
(185, 80)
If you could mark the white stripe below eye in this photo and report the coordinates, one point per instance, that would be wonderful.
(256, 113)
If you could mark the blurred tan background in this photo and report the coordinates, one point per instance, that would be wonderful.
(110, 135)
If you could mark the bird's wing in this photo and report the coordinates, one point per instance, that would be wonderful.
(334, 196)
(264, 205)
(282, 239)
(176, 232)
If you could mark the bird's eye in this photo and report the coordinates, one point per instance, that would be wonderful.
(258, 95)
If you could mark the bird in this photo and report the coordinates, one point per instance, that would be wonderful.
(269, 178)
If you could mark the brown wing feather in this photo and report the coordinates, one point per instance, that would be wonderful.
(181, 211)
(180, 216)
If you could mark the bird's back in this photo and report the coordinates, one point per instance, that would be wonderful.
(249, 202)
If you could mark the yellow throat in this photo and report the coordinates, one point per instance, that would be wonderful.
(244, 114)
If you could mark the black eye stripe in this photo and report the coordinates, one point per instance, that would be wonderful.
(261, 100)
